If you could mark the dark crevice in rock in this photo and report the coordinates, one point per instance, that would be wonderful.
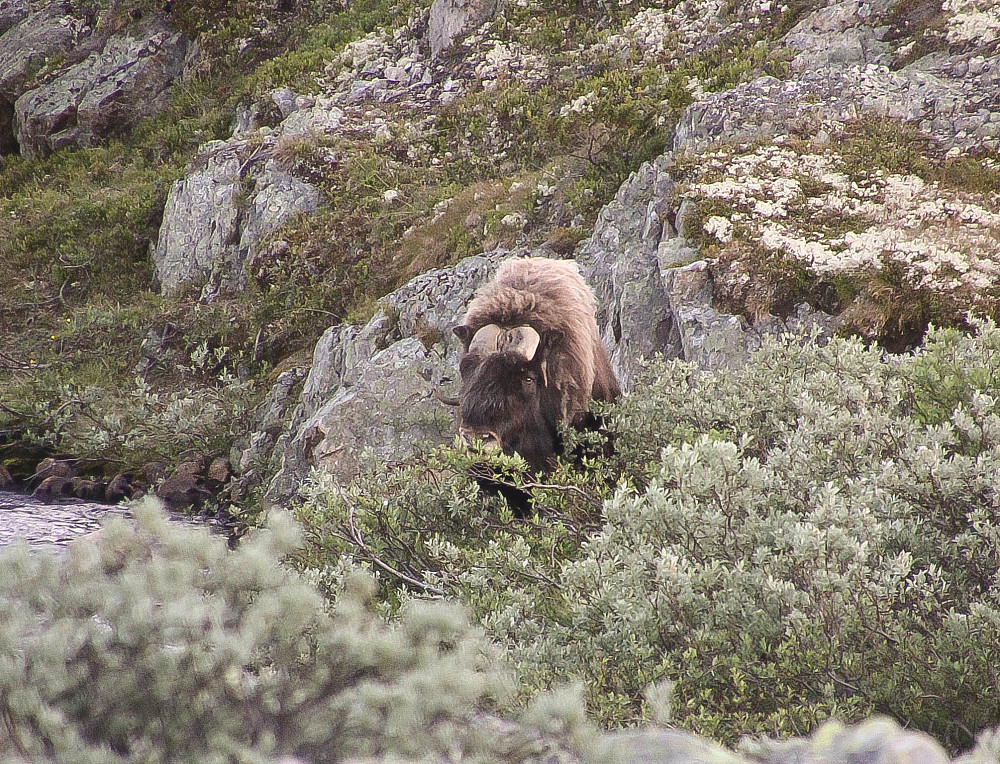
(8, 136)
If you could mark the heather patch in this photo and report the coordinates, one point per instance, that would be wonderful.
(904, 216)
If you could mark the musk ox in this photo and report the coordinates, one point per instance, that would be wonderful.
(532, 358)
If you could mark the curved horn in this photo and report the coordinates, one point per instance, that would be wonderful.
(522, 340)
(486, 340)
(447, 400)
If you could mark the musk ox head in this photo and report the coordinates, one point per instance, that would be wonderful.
(506, 401)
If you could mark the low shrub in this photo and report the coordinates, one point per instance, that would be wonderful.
(812, 535)
(156, 644)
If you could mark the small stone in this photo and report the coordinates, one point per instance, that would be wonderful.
(191, 468)
(55, 487)
(152, 472)
(284, 99)
(219, 471)
(182, 491)
(396, 74)
(53, 468)
(91, 490)
(119, 489)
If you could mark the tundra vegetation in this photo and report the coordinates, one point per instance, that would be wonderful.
(810, 537)
(741, 552)
(545, 151)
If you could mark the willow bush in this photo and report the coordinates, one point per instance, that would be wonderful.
(157, 644)
(812, 535)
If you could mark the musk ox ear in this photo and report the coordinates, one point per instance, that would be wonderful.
(551, 338)
(464, 333)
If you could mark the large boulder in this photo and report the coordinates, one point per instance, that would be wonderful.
(277, 196)
(451, 19)
(217, 217)
(29, 39)
(104, 95)
(201, 220)
(370, 390)
(236, 194)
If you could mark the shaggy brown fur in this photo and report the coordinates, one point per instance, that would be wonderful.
(552, 297)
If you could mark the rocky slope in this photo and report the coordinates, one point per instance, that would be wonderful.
(857, 178)
(835, 164)
(862, 184)
(720, 171)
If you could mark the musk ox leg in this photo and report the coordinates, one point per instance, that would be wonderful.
(520, 501)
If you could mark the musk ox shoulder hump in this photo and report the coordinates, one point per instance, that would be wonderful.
(548, 294)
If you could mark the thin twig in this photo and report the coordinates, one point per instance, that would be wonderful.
(357, 538)
(253, 156)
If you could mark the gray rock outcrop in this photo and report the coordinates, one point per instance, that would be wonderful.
(370, 390)
(655, 295)
(29, 38)
(218, 216)
(11, 12)
(33, 39)
(201, 220)
(102, 96)
(842, 72)
(450, 19)
(277, 196)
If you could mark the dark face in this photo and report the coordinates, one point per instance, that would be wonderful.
(504, 403)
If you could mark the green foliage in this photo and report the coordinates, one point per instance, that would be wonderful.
(157, 644)
(879, 143)
(330, 27)
(103, 425)
(810, 536)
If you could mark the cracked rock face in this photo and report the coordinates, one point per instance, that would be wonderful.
(33, 39)
(210, 232)
(450, 19)
(104, 95)
(201, 218)
(12, 12)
